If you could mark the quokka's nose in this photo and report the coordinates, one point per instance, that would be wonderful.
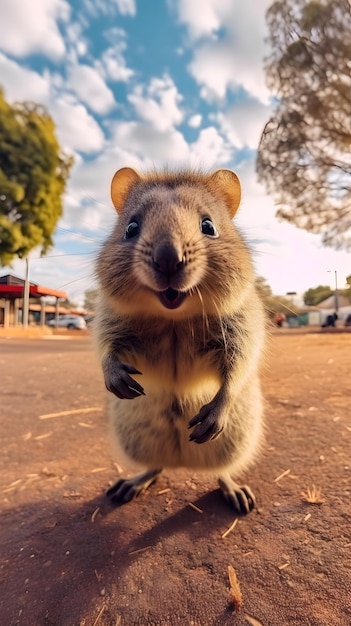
(167, 259)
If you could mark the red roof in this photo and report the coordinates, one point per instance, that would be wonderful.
(35, 291)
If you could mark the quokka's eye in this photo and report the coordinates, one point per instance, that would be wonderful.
(208, 228)
(132, 230)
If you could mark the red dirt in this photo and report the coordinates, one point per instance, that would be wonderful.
(69, 559)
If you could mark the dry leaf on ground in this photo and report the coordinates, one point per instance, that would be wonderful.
(235, 595)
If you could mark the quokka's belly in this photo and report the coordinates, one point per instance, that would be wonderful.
(152, 431)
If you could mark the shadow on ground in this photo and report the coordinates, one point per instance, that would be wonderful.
(64, 560)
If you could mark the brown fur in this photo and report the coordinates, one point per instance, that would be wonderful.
(200, 358)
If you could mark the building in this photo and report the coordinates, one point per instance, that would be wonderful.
(328, 306)
(11, 302)
(317, 315)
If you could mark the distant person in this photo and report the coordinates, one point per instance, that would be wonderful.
(330, 321)
(279, 319)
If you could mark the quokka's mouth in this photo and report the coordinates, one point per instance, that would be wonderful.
(171, 298)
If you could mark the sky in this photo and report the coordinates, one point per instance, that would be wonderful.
(176, 83)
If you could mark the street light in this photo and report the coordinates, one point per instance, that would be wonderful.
(336, 295)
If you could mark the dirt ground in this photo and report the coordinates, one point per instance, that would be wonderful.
(69, 559)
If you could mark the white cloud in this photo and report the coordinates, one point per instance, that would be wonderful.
(108, 7)
(88, 189)
(195, 120)
(21, 83)
(85, 221)
(142, 146)
(76, 129)
(87, 83)
(153, 146)
(91, 180)
(134, 144)
(232, 54)
(78, 45)
(112, 64)
(243, 122)
(213, 67)
(203, 17)
(226, 65)
(209, 150)
(158, 103)
(34, 28)
(156, 147)
(126, 7)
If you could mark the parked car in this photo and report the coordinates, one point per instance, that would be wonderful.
(348, 320)
(69, 321)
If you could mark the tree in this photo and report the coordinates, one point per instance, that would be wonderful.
(33, 175)
(346, 293)
(263, 288)
(68, 304)
(315, 295)
(274, 304)
(304, 155)
(90, 297)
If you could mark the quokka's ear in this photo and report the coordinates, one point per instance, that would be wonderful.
(120, 186)
(227, 185)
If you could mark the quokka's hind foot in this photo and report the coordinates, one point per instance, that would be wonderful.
(240, 498)
(126, 489)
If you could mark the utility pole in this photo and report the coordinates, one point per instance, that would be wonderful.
(25, 311)
(336, 294)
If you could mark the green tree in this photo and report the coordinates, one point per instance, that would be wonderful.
(33, 175)
(90, 299)
(315, 295)
(346, 293)
(274, 304)
(263, 288)
(304, 152)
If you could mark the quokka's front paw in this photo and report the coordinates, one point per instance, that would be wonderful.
(119, 381)
(240, 498)
(208, 423)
